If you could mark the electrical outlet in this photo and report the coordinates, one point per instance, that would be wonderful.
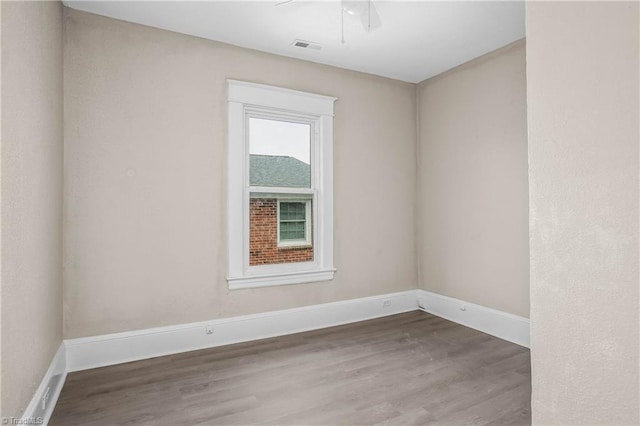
(386, 303)
(209, 329)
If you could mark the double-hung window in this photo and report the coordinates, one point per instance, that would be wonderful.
(280, 186)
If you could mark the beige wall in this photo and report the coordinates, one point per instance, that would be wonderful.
(583, 154)
(145, 178)
(32, 146)
(473, 182)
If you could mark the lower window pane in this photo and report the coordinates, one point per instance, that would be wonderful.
(291, 243)
(292, 230)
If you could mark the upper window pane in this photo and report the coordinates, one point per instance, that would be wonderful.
(280, 153)
(292, 211)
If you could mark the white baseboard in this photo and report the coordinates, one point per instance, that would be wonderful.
(49, 388)
(512, 328)
(98, 351)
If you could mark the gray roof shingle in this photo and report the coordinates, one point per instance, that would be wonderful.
(276, 170)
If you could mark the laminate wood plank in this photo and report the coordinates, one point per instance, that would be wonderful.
(412, 368)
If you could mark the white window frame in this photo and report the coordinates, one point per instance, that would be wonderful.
(256, 100)
(306, 242)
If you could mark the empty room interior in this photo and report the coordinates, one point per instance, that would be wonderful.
(293, 212)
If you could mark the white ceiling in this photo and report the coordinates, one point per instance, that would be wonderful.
(417, 39)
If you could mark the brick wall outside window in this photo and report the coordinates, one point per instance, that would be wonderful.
(263, 236)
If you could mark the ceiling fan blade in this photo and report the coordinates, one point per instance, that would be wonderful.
(354, 7)
(366, 10)
(370, 18)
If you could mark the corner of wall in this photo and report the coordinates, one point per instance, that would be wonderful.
(418, 199)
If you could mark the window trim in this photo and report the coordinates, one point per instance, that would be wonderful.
(306, 242)
(249, 98)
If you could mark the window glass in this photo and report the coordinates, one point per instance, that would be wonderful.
(280, 231)
(293, 221)
(280, 153)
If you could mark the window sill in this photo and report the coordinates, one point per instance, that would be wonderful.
(256, 281)
(295, 246)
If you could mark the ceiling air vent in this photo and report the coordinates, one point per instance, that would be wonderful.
(306, 45)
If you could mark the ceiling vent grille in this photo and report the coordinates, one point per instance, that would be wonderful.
(306, 45)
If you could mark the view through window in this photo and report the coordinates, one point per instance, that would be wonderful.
(281, 199)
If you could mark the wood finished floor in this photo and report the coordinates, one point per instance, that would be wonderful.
(412, 368)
